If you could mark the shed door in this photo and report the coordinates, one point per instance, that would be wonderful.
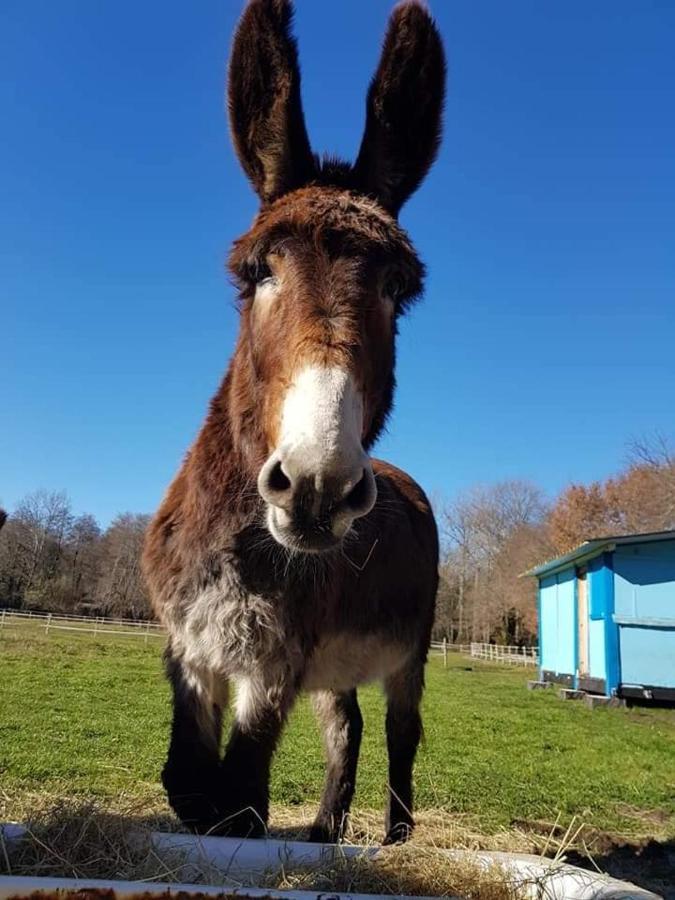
(582, 619)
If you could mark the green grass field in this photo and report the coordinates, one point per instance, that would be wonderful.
(88, 717)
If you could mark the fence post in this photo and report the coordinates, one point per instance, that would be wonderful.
(445, 653)
(49, 619)
(147, 632)
(2, 620)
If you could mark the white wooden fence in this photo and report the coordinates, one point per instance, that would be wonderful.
(99, 625)
(522, 656)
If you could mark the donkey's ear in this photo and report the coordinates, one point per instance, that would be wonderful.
(404, 108)
(266, 119)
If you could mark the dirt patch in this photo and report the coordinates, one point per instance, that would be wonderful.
(658, 818)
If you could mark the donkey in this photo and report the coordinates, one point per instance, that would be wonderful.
(283, 557)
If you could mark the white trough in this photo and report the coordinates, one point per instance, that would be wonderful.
(241, 862)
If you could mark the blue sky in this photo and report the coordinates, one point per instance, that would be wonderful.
(546, 337)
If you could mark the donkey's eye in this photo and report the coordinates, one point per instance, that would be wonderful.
(394, 287)
(258, 273)
(262, 273)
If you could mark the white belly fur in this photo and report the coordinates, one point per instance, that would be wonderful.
(346, 660)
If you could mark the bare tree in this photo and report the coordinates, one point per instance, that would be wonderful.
(480, 529)
(121, 590)
(83, 560)
(40, 527)
(51, 559)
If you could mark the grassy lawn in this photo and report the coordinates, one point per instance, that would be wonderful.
(85, 716)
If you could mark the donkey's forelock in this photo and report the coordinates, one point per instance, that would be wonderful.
(349, 221)
(403, 109)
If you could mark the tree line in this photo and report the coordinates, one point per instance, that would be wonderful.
(54, 560)
(493, 534)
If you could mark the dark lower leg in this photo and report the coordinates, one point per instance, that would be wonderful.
(245, 770)
(342, 724)
(404, 730)
(191, 773)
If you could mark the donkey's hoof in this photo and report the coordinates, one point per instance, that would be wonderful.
(195, 812)
(399, 833)
(191, 799)
(244, 823)
(320, 833)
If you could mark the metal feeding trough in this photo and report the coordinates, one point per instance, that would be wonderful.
(240, 862)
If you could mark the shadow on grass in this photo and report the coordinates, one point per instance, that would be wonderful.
(650, 865)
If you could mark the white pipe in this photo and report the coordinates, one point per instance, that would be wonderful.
(241, 859)
(537, 876)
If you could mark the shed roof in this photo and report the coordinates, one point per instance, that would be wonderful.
(594, 547)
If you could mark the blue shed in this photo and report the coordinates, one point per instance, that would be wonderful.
(607, 616)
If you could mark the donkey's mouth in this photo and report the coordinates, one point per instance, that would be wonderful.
(317, 536)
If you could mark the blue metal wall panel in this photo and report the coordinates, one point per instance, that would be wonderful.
(645, 580)
(647, 656)
(644, 585)
(612, 660)
(597, 601)
(596, 649)
(597, 605)
(558, 623)
(566, 657)
(548, 623)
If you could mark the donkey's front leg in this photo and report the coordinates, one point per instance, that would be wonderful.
(260, 713)
(342, 724)
(404, 730)
(191, 772)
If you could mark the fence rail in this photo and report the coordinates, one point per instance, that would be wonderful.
(99, 625)
(447, 647)
(34, 614)
(522, 656)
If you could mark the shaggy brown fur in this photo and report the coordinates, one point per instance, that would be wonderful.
(239, 607)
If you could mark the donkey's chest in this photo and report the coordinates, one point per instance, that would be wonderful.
(343, 661)
(228, 630)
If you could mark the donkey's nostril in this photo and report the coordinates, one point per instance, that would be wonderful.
(277, 480)
(359, 496)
